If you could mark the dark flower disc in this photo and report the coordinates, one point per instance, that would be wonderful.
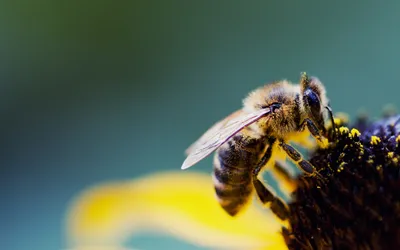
(355, 202)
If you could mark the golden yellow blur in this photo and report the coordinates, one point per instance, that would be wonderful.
(178, 203)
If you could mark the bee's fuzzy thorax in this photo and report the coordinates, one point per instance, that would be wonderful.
(286, 119)
(268, 94)
(357, 206)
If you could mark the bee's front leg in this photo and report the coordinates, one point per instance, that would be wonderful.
(265, 195)
(315, 132)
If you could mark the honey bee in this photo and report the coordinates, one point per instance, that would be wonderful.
(271, 115)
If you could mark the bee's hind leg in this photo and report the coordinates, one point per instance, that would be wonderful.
(277, 205)
(265, 195)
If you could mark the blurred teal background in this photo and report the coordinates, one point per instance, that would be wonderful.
(102, 90)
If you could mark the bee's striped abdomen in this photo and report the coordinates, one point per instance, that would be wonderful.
(233, 164)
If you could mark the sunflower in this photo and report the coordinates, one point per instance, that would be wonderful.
(355, 205)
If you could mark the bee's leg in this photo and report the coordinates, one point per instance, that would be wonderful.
(333, 134)
(296, 157)
(277, 206)
(312, 128)
(264, 160)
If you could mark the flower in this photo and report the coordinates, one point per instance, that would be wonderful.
(357, 206)
(353, 203)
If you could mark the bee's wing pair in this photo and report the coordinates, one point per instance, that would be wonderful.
(219, 134)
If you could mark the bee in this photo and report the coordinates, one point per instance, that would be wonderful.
(271, 116)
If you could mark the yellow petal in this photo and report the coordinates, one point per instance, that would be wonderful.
(178, 203)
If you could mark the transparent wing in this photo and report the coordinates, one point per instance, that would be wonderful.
(219, 134)
(213, 131)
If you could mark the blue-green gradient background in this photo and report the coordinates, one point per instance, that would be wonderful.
(103, 90)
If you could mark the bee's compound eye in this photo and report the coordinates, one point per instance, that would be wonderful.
(313, 101)
(275, 106)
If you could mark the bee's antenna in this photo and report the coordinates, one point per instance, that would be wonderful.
(332, 121)
(304, 80)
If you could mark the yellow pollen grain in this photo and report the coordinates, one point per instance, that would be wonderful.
(341, 167)
(390, 154)
(370, 161)
(379, 167)
(323, 143)
(355, 133)
(343, 130)
(375, 140)
(395, 160)
(341, 117)
(337, 121)
(398, 139)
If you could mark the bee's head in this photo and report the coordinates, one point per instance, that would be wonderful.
(314, 99)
